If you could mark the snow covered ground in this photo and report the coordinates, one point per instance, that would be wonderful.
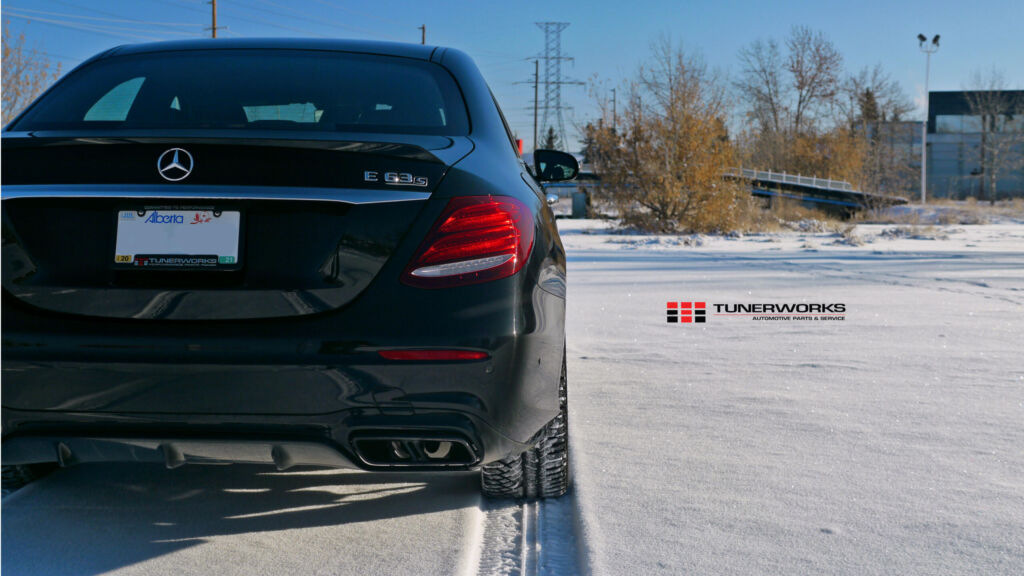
(886, 443)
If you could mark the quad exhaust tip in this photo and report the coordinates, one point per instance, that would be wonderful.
(432, 449)
(437, 450)
(397, 451)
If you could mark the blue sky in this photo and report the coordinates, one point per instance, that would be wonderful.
(607, 38)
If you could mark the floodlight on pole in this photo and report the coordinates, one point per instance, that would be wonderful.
(928, 49)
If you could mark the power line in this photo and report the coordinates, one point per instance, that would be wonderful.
(92, 9)
(282, 26)
(60, 56)
(254, 20)
(137, 32)
(84, 27)
(164, 3)
(496, 53)
(356, 12)
(71, 20)
(495, 64)
(64, 14)
(315, 21)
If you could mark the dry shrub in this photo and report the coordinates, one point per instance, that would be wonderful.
(662, 162)
(789, 210)
(848, 237)
(752, 215)
(947, 217)
(1015, 207)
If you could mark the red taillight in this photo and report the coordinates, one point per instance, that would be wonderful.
(432, 355)
(476, 239)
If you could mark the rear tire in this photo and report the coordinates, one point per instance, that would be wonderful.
(540, 472)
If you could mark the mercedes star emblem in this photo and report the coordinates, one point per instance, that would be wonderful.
(174, 164)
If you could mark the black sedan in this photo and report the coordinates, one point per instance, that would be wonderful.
(294, 252)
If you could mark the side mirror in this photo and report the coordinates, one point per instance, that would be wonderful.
(555, 166)
(552, 199)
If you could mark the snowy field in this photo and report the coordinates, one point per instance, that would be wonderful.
(886, 443)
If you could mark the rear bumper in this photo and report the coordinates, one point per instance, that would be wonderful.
(105, 410)
(348, 442)
(125, 390)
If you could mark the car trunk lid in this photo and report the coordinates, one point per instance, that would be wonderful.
(317, 220)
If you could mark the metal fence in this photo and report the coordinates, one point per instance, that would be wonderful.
(784, 178)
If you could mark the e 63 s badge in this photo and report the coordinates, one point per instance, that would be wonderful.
(395, 178)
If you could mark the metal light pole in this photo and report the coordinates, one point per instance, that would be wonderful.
(928, 49)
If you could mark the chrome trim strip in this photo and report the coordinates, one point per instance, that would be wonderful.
(340, 195)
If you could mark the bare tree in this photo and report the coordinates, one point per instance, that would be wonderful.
(815, 66)
(26, 73)
(870, 104)
(1000, 112)
(892, 103)
(763, 85)
(786, 95)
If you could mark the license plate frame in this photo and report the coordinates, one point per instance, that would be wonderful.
(168, 242)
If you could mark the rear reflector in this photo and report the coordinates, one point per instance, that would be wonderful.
(476, 239)
(461, 267)
(432, 355)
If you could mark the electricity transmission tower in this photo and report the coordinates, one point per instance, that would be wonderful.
(552, 61)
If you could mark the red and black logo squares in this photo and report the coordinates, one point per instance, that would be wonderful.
(685, 312)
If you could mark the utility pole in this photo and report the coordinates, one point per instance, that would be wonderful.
(614, 116)
(423, 33)
(536, 97)
(536, 83)
(213, 14)
(928, 49)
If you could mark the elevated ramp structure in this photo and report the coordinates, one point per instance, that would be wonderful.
(835, 196)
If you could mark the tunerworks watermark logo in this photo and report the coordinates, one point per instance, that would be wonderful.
(697, 312)
(686, 312)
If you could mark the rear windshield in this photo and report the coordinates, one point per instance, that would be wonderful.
(255, 89)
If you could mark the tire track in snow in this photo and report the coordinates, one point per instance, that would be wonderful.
(530, 538)
(953, 285)
(501, 549)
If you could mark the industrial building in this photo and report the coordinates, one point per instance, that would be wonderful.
(975, 140)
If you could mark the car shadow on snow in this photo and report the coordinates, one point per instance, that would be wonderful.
(95, 518)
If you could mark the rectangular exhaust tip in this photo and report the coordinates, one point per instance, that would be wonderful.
(412, 451)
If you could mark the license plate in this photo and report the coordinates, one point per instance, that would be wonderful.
(189, 239)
